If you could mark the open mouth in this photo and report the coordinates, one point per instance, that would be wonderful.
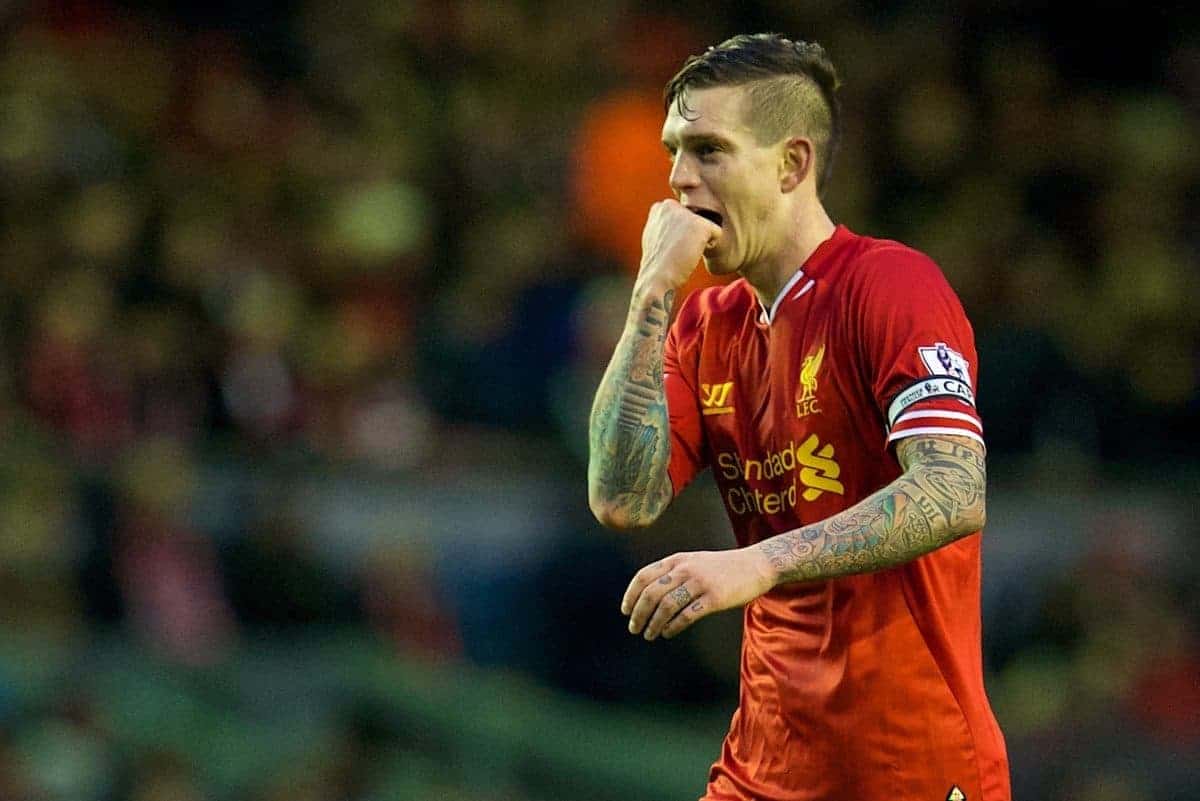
(708, 214)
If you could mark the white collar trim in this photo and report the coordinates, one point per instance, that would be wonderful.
(768, 315)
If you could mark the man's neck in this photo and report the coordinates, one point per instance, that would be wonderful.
(768, 277)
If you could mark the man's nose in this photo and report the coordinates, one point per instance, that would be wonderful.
(684, 175)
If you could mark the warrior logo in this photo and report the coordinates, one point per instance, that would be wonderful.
(715, 398)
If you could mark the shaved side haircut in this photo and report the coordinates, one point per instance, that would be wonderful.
(791, 89)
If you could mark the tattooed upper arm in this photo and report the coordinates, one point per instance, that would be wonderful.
(913, 450)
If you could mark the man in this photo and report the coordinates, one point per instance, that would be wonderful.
(830, 390)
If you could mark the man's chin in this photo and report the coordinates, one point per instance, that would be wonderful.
(717, 265)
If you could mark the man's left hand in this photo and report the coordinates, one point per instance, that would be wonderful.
(666, 597)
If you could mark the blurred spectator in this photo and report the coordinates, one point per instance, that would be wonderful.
(168, 572)
(405, 605)
(77, 376)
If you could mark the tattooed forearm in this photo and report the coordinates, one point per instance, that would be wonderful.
(939, 498)
(629, 437)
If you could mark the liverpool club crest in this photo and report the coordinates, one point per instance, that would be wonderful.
(806, 395)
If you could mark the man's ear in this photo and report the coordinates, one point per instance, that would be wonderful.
(796, 163)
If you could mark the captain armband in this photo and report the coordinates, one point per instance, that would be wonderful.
(934, 386)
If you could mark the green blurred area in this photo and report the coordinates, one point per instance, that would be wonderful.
(292, 708)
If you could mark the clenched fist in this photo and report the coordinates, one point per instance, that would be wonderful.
(672, 242)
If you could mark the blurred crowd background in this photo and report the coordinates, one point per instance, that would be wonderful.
(303, 305)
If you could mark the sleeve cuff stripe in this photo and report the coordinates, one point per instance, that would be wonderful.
(933, 413)
(912, 432)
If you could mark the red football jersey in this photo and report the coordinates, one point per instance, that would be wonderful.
(866, 686)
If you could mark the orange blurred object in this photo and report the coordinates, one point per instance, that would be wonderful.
(619, 168)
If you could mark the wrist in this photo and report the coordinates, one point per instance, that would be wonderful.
(649, 293)
(768, 571)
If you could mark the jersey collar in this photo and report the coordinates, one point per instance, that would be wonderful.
(765, 315)
(808, 271)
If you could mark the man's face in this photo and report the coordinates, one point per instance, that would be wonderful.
(720, 171)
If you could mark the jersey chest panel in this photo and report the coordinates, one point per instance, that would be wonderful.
(779, 404)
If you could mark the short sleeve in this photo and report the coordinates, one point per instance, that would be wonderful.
(680, 368)
(918, 347)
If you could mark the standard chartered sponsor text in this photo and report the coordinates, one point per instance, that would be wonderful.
(811, 465)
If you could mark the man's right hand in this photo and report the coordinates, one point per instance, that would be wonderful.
(673, 241)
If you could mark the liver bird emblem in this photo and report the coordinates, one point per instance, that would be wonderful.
(808, 373)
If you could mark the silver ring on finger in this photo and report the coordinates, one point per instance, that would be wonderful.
(680, 596)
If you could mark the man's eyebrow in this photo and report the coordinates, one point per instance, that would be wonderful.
(695, 140)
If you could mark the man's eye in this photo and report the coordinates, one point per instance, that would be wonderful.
(704, 151)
